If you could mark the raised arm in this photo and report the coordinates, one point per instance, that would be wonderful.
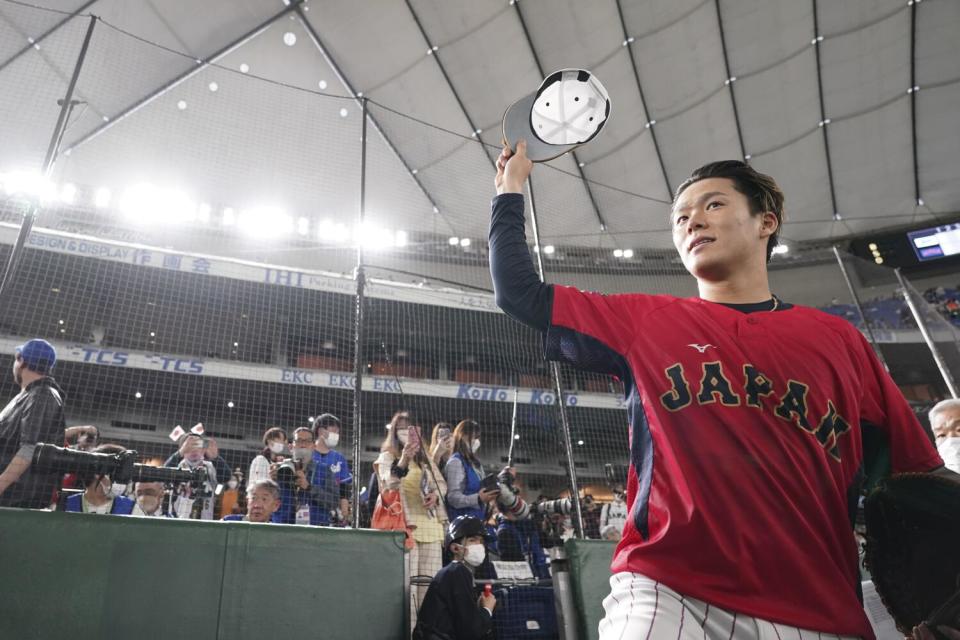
(519, 291)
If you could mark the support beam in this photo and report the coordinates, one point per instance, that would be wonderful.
(643, 102)
(730, 81)
(46, 34)
(30, 215)
(576, 160)
(823, 115)
(199, 66)
(913, 101)
(325, 52)
(474, 129)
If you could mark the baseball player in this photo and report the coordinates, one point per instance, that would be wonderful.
(747, 416)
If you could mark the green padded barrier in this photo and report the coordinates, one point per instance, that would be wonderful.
(78, 576)
(291, 582)
(589, 562)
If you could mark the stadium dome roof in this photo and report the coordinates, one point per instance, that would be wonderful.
(852, 106)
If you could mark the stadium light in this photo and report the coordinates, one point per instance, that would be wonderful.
(373, 237)
(229, 216)
(453, 241)
(628, 253)
(28, 184)
(780, 249)
(265, 221)
(549, 249)
(68, 193)
(102, 198)
(148, 203)
(464, 242)
(329, 231)
(400, 238)
(618, 253)
(230, 404)
(138, 395)
(303, 226)
(203, 213)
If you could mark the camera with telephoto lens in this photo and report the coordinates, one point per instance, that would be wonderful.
(121, 467)
(509, 501)
(561, 506)
(287, 471)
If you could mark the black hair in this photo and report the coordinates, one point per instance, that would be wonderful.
(762, 192)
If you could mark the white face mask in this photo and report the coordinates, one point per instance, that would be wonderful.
(949, 450)
(232, 484)
(475, 555)
(116, 490)
(403, 437)
(476, 445)
(332, 439)
(276, 447)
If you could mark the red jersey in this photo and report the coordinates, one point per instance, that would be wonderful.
(745, 447)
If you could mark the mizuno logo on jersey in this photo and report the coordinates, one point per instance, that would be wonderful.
(791, 404)
(702, 347)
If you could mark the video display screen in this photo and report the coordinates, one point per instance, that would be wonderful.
(936, 242)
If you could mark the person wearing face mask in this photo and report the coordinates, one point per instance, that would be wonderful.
(274, 446)
(412, 483)
(330, 473)
(945, 424)
(613, 515)
(230, 498)
(451, 608)
(35, 415)
(149, 500)
(193, 456)
(463, 473)
(100, 494)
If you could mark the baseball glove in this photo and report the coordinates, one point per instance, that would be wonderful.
(913, 548)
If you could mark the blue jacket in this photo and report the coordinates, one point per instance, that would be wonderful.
(122, 506)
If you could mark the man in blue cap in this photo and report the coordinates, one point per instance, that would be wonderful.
(34, 416)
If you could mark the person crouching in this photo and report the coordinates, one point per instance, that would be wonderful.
(451, 609)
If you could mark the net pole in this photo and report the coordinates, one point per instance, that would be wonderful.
(925, 332)
(558, 387)
(358, 321)
(30, 215)
(513, 427)
(856, 302)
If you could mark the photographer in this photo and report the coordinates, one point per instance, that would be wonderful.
(463, 473)
(316, 480)
(101, 494)
(35, 415)
(211, 452)
(193, 502)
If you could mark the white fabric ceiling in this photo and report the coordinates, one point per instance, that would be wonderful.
(267, 135)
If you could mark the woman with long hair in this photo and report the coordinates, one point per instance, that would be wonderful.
(411, 483)
(463, 473)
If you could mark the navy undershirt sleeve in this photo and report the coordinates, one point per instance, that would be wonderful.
(517, 287)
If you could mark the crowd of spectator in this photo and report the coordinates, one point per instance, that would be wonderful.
(891, 312)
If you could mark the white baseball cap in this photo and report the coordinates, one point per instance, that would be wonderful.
(569, 109)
